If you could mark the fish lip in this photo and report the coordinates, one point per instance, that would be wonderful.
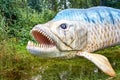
(42, 51)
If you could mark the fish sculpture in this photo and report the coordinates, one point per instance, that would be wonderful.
(78, 32)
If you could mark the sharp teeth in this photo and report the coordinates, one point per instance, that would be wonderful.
(49, 39)
(44, 45)
(47, 46)
(50, 46)
(42, 32)
(46, 35)
(32, 44)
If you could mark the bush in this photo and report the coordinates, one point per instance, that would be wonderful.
(19, 18)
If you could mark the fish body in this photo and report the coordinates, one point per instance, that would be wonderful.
(79, 32)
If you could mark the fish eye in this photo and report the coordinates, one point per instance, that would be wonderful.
(63, 26)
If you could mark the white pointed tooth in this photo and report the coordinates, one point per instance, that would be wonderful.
(40, 31)
(52, 45)
(44, 45)
(39, 45)
(49, 46)
(45, 35)
(48, 38)
(51, 40)
(29, 42)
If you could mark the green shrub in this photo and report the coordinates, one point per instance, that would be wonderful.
(19, 19)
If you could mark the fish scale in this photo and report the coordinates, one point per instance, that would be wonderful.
(106, 36)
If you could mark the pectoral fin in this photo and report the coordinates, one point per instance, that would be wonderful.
(100, 61)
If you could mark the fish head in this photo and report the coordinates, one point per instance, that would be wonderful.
(58, 38)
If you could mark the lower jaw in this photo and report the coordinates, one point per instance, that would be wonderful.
(43, 51)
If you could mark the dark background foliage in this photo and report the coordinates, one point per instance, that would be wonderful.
(19, 16)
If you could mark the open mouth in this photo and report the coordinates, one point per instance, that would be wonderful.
(44, 41)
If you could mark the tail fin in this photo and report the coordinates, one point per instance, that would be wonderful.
(100, 61)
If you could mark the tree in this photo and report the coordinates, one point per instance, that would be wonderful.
(103, 2)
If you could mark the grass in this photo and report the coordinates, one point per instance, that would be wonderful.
(17, 64)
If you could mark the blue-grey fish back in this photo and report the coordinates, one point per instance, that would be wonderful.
(98, 14)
